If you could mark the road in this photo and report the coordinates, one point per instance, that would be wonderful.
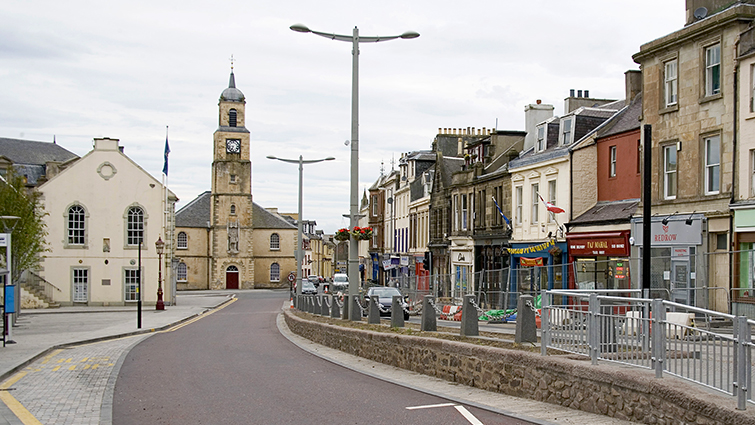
(234, 367)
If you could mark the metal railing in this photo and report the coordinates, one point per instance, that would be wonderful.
(655, 334)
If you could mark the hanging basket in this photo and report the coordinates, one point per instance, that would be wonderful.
(362, 233)
(342, 235)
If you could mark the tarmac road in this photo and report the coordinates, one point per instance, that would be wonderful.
(234, 367)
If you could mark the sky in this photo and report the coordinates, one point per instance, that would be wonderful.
(75, 70)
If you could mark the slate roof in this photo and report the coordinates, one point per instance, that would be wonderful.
(197, 214)
(608, 211)
(626, 120)
(29, 158)
(450, 166)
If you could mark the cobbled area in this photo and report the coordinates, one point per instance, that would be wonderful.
(73, 385)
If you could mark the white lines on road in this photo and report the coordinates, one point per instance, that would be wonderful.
(461, 409)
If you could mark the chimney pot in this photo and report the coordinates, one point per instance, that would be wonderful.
(538, 101)
(571, 93)
(579, 93)
(587, 93)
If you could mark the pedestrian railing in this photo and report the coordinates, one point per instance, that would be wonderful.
(664, 336)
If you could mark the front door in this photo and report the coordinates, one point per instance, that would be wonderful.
(232, 277)
(680, 291)
(80, 285)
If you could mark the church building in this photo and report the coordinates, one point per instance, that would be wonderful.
(223, 239)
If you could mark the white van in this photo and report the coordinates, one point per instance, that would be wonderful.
(340, 282)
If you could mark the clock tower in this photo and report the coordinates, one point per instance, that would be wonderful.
(232, 259)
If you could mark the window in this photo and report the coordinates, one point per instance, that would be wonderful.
(535, 200)
(752, 88)
(669, 172)
(671, 89)
(233, 178)
(182, 241)
(464, 212)
(181, 272)
(713, 70)
(233, 209)
(275, 241)
(566, 131)
(712, 164)
(275, 272)
(80, 288)
(135, 226)
(518, 205)
(639, 156)
(455, 207)
(76, 225)
(374, 205)
(232, 118)
(612, 161)
(551, 197)
(541, 139)
(131, 284)
(752, 173)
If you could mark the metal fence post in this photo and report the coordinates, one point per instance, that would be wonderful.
(335, 312)
(545, 334)
(397, 312)
(593, 328)
(658, 349)
(429, 322)
(742, 363)
(316, 304)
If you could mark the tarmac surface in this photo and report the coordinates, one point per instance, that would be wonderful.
(64, 364)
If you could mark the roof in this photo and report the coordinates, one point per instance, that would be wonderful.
(232, 94)
(626, 120)
(197, 214)
(608, 211)
(450, 166)
(33, 153)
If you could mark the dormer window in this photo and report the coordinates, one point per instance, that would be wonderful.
(566, 131)
(232, 118)
(540, 139)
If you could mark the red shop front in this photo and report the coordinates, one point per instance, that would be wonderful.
(600, 260)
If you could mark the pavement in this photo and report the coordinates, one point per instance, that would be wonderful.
(56, 374)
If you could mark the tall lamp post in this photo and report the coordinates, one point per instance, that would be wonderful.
(159, 247)
(299, 251)
(355, 39)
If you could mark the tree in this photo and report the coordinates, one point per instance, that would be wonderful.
(28, 236)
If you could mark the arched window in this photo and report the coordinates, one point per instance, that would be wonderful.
(233, 209)
(181, 272)
(275, 272)
(76, 225)
(232, 118)
(182, 240)
(135, 226)
(275, 241)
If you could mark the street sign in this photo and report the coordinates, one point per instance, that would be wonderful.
(4, 239)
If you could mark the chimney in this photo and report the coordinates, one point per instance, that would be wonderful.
(571, 93)
(587, 93)
(632, 85)
(579, 93)
(534, 115)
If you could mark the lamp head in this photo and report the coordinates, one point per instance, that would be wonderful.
(408, 34)
(330, 158)
(159, 245)
(301, 28)
(665, 221)
(688, 221)
(271, 157)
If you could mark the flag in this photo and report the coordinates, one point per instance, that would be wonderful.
(508, 223)
(167, 151)
(550, 207)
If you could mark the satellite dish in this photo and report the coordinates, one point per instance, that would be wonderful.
(700, 13)
(346, 143)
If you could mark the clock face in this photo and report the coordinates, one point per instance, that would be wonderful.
(233, 145)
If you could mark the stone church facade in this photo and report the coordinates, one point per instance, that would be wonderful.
(223, 239)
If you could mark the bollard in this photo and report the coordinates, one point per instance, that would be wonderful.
(345, 309)
(429, 322)
(316, 304)
(469, 325)
(373, 312)
(325, 308)
(526, 329)
(397, 312)
(335, 312)
(355, 311)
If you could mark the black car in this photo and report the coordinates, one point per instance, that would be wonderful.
(385, 299)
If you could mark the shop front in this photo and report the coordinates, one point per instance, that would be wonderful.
(537, 266)
(600, 260)
(677, 268)
(743, 281)
(462, 268)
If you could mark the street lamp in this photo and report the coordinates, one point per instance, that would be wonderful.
(299, 250)
(159, 247)
(355, 39)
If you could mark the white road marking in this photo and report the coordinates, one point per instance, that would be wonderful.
(468, 415)
(429, 406)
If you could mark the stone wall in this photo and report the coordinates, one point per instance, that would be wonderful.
(622, 392)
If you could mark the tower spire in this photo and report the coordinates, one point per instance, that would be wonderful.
(232, 81)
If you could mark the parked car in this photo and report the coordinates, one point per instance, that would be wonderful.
(314, 279)
(385, 299)
(340, 282)
(308, 288)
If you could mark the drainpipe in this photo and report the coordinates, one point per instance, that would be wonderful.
(734, 172)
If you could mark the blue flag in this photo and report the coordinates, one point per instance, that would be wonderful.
(167, 151)
(508, 223)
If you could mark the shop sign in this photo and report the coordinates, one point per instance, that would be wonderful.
(676, 232)
(531, 249)
(598, 246)
(531, 262)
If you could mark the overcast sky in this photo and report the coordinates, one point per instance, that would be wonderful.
(80, 69)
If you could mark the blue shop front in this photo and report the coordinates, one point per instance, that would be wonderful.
(536, 266)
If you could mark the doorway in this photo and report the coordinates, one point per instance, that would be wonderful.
(232, 277)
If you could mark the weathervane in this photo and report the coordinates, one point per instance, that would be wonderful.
(232, 60)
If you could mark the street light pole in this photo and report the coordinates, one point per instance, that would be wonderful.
(159, 247)
(354, 39)
(299, 249)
